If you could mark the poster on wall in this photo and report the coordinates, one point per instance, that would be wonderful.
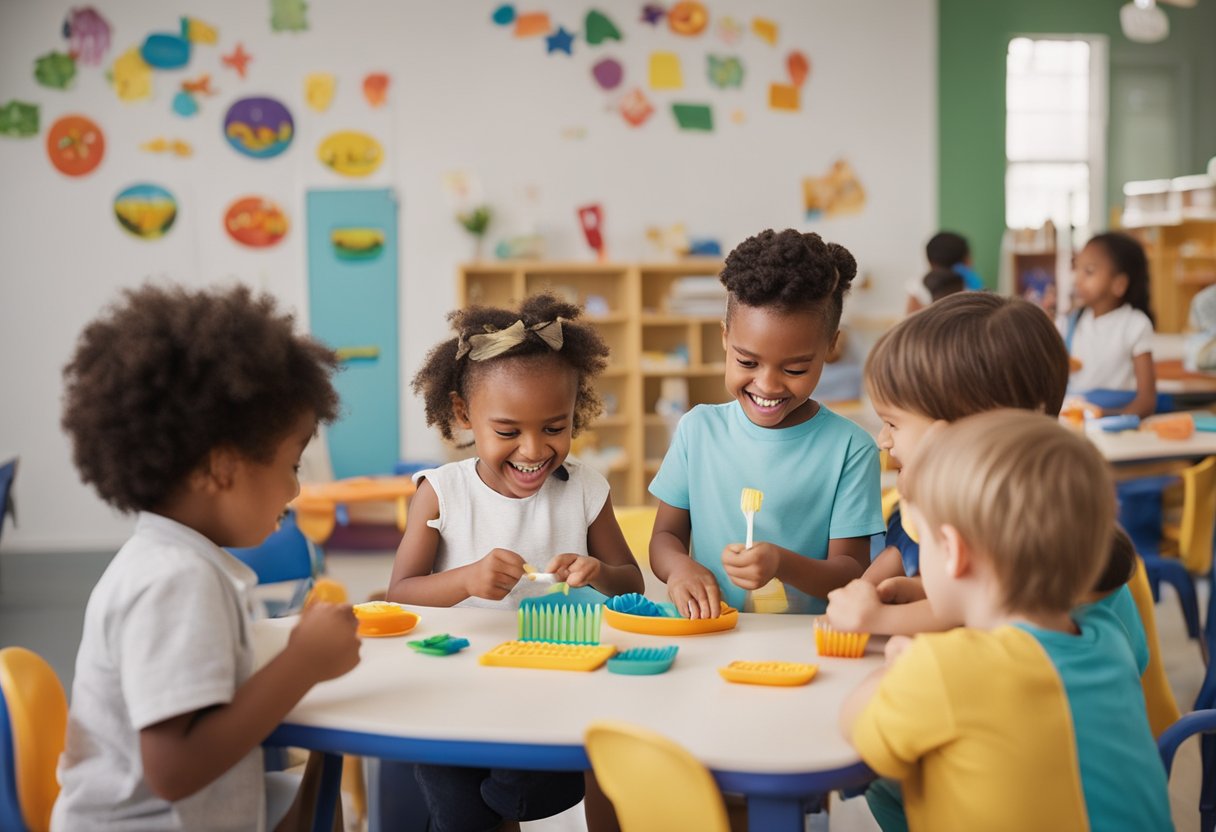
(75, 145)
(145, 210)
(260, 127)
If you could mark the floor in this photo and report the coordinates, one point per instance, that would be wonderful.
(42, 600)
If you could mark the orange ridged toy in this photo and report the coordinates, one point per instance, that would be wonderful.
(384, 618)
(1170, 425)
(829, 642)
(326, 589)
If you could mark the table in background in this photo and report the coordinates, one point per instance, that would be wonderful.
(780, 746)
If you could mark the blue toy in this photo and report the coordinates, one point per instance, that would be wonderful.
(643, 661)
(440, 645)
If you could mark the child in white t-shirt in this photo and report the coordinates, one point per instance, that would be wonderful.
(1109, 333)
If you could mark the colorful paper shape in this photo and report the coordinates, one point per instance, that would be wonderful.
(560, 41)
(635, 108)
(737, 116)
(836, 193)
(357, 243)
(162, 50)
(375, 88)
(177, 147)
(597, 28)
(19, 119)
(145, 210)
(260, 128)
(688, 18)
(591, 218)
(288, 15)
(88, 35)
(75, 145)
(504, 15)
(665, 71)
(725, 72)
(196, 31)
(729, 30)
(652, 13)
(184, 104)
(319, 88)
(694, 117)
(199, 86)
(131, 76)
(765, 29)
(608, 73)
(55, 70)
(255, 222)
(799, 67)
(237, 59)
(783, 97)
(532, 24)
(350, 153)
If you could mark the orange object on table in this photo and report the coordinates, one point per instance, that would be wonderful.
(1170, 425)
(384, 618)
(317, 504)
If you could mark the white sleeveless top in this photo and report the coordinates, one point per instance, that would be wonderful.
(474, 518)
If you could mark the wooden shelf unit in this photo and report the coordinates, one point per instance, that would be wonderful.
(1181, 261)
(636, 321)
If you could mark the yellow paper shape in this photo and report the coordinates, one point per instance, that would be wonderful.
(765, 29)
(783, 97)
(196, 31)
(131, 76)
(665, 71)
(319, 90)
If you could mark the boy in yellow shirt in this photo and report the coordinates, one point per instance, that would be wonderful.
(1006, 722)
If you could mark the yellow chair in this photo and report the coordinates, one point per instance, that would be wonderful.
(33, 723)
(890, 500)
(1189, 536)
(654, 784)
(1158, 697)
(637, 522)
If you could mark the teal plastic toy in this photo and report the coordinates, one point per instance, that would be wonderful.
(643, 661)
(440, 645)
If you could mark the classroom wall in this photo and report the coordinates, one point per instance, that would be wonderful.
(974, 38)
(464, 95)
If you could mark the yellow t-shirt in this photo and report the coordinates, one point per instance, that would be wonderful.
(976, 725)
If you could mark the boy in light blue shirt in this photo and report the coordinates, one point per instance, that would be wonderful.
(818, 471)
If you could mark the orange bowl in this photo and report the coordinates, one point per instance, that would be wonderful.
(656, 626)
(384, 618)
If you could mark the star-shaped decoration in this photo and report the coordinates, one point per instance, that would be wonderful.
(238, 60)
(652, 13)
(560, 41)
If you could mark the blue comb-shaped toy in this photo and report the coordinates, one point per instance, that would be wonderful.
(633, 603)
(643, 661)
(440, 645)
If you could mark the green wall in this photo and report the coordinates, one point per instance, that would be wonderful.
(973, 38)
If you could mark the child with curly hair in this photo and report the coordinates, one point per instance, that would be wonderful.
(192, 409)
(521, 382)
(818, 471)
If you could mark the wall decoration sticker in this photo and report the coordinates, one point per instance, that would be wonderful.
(238, 59)
(560, 41)
(19, 119)
(799, 67)
(196, 31)
(783, 97)
(260, 128)
(288, 16)
(375, 88)
(177, 147)
(145, 210)
(765, 29)
(357, 243)
(665, 71)
(688, 17)
(350, 153)
(55, 70)
(162, 50)
(184, 104)
(75, 145)
(730, 31)
(591, 218)
(255, 222)
(319, 88)
(131, 76)
(635, 108)
(725, 72)
(608, 73)
(597, 28)
(504, 15)
(88, 35)
(652, 13)
(694, 117)
(532, 24)
(836, 193)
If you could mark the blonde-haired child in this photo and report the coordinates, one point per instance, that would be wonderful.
(1005, 723)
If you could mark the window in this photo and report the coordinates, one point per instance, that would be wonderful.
(1055, 133)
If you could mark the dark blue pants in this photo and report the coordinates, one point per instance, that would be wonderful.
(474, 799)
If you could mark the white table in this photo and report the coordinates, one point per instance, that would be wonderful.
(779, 746)
(1142, 446)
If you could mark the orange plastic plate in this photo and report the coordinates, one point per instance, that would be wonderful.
(655, 626)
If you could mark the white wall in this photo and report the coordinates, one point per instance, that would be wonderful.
(464, 95)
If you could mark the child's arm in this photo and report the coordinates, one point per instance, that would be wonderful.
(691, 587)
(858, 607)
(1145, 403)
(753, 568)
(864, 692)
(611, 567)
(413, 581)
(185, 753)
(888, 564)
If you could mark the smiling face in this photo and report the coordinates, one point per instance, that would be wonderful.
(773, 362)
(521, 413)
(902, 432)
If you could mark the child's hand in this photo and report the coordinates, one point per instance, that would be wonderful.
(852, 607)
(896, 645)
(751, 568)
(901, 590)
(494, 576)
(325, 640)
(575, 570)
(694, 591)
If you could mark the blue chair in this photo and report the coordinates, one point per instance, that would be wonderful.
(8, 473)
(287, 555)
(1196, 722)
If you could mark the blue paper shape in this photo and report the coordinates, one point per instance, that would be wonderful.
(165, 51)
(184, 104)
(504, 15)
(560, 41)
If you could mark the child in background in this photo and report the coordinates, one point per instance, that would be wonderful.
(945, 251)
(1005, 723)
(521, 381)
(942, 283)
(1109, 333)
(818, 471)
(191, 408)
(1199, 354)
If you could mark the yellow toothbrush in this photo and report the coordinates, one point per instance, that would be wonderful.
(770, 597)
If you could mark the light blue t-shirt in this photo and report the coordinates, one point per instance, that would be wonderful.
(820, 481)
(1121, 773)
(1123, 605)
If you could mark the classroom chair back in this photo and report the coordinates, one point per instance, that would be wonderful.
(1191, 538)
(1158, 697)
(33, 724)
(637, 522)
(653, 783)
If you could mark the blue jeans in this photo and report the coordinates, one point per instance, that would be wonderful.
(473, 799)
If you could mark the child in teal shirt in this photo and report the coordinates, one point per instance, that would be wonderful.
(818, 471)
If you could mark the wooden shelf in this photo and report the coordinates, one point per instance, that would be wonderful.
(1176, 273)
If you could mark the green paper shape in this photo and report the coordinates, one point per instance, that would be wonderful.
(19, 119)
(289, 15)
(694, 116)
(599, 28)
(55, 70)
(725, 72)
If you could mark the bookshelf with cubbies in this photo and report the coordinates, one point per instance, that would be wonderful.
(659, 355)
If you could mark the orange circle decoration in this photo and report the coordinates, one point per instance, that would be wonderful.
(688, 18)
(255, 222)
(75, 145)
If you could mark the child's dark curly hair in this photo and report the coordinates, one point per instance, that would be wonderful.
(167, 375)
(443, 373)
(789, 271)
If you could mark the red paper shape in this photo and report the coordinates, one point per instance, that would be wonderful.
(591, 217)
(799, 67)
